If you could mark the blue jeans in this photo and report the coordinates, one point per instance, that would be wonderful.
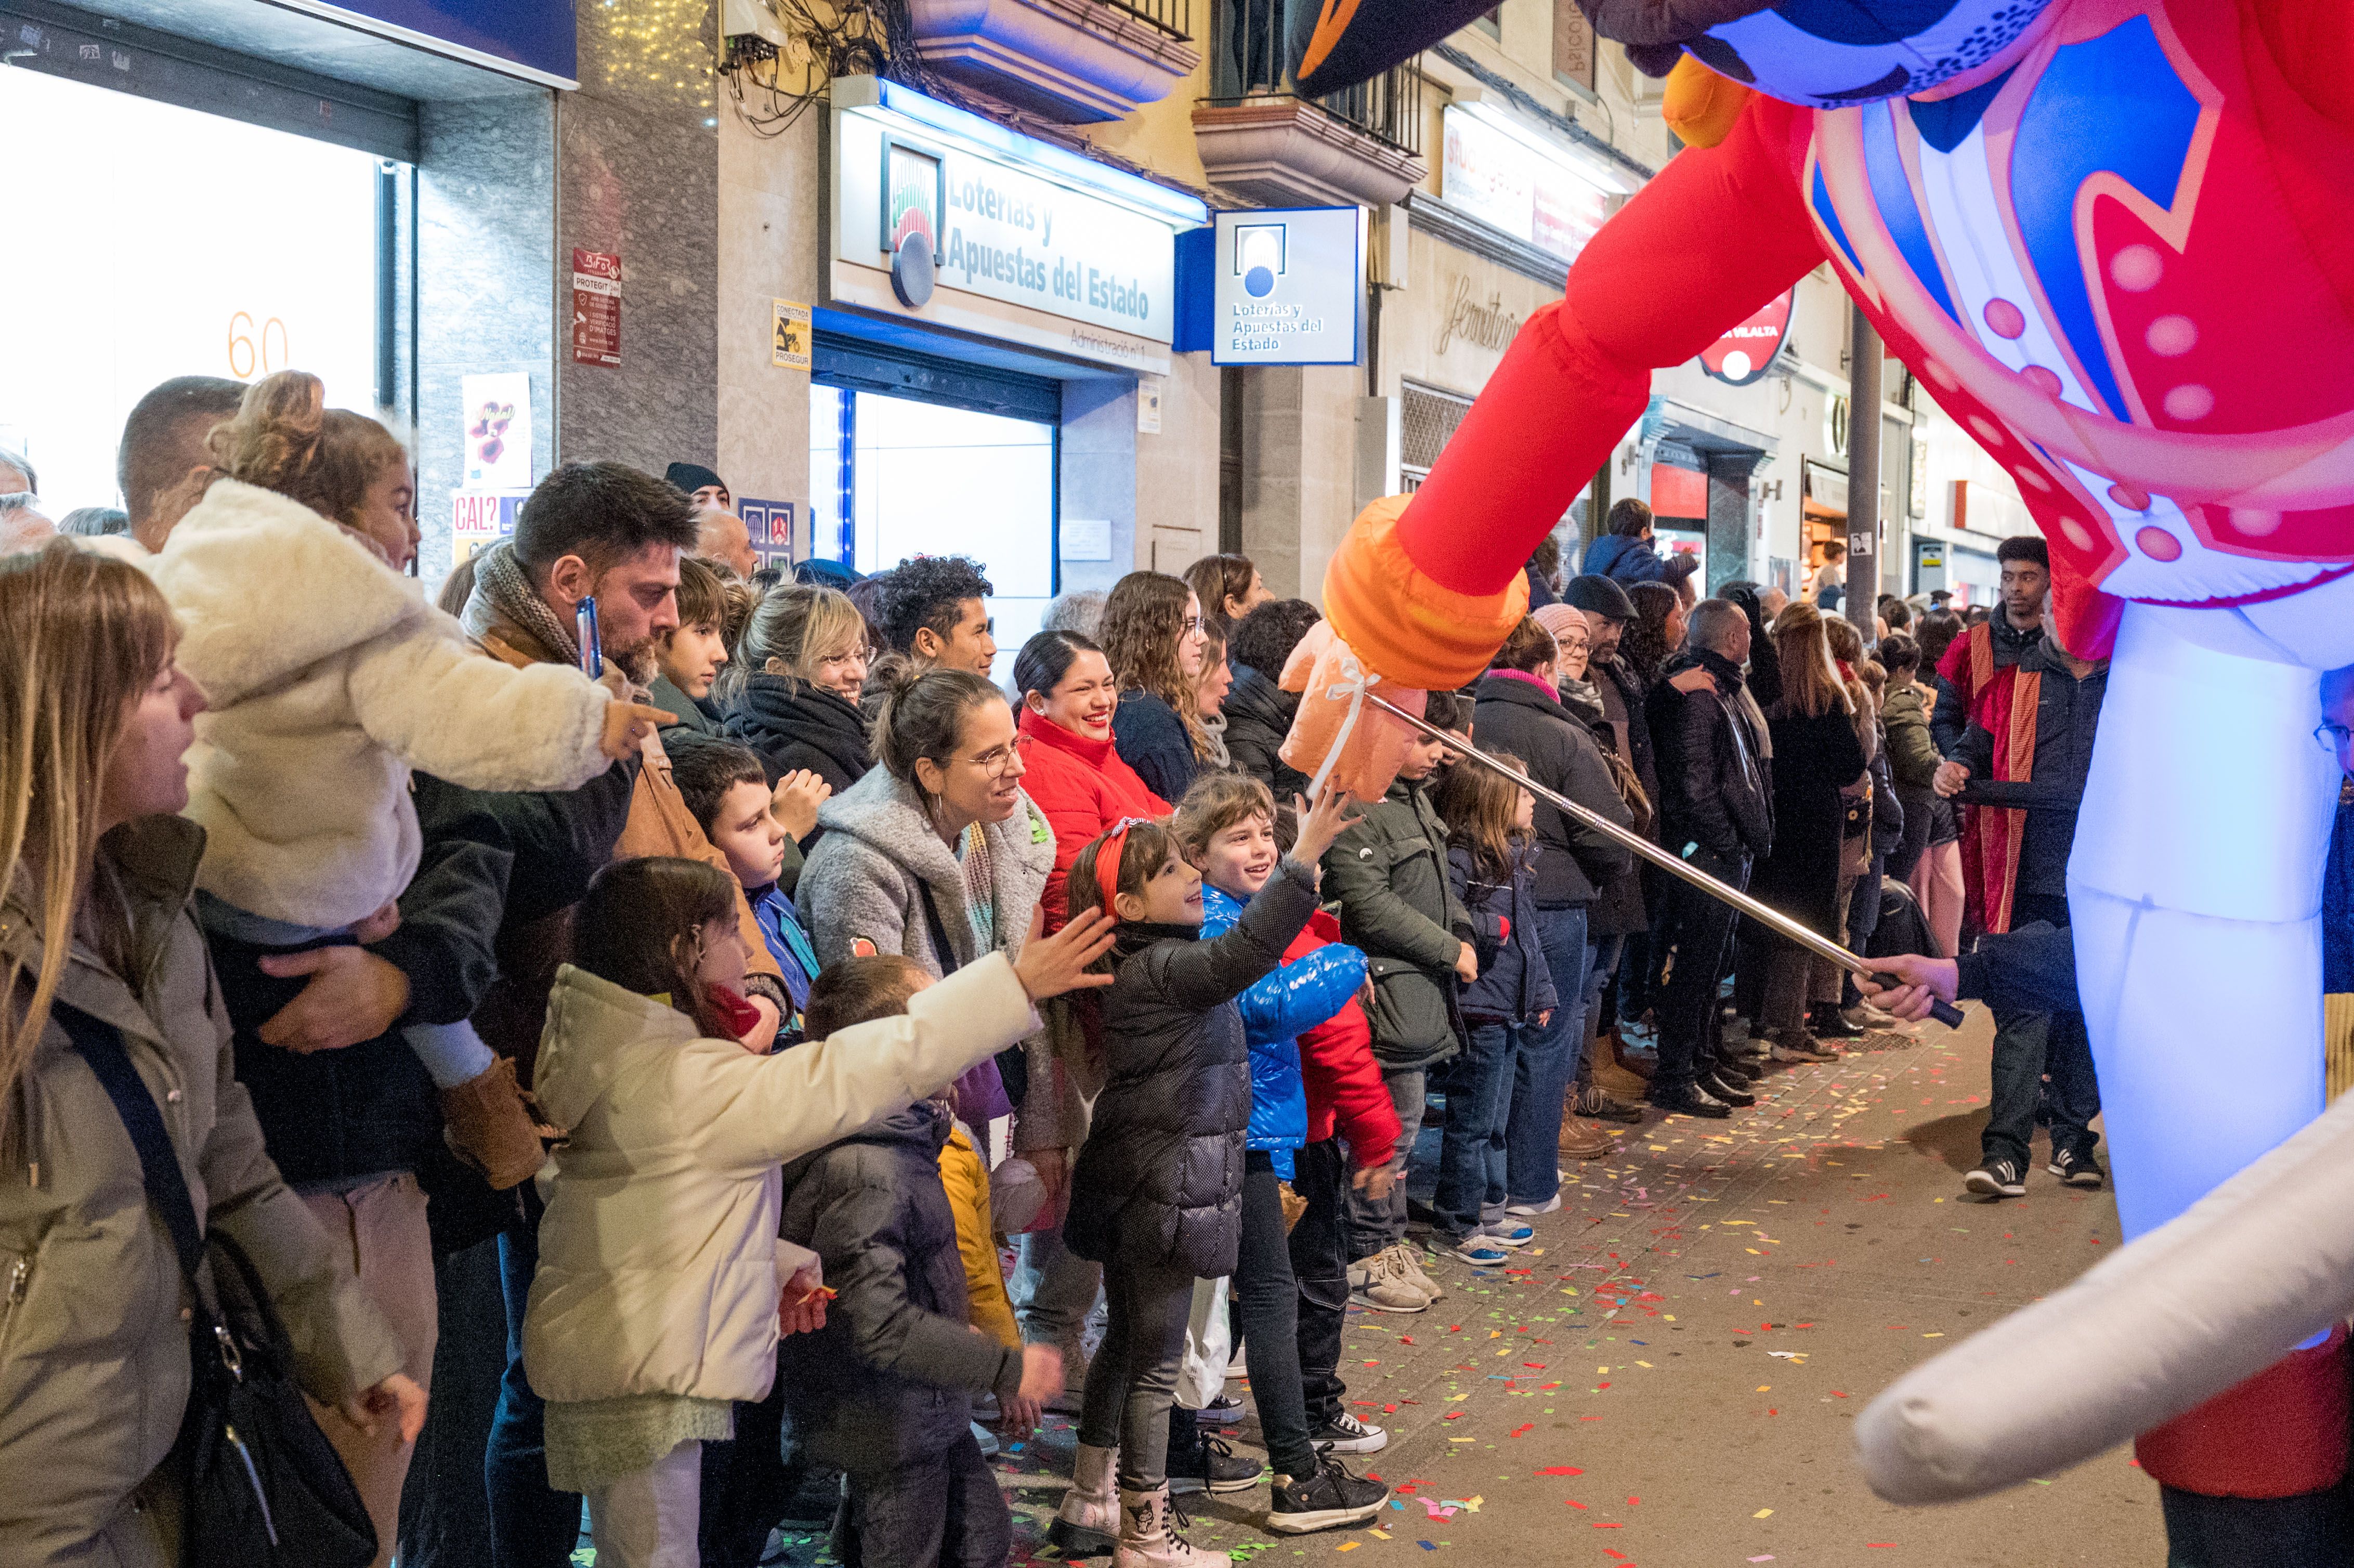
(1471, 1144)
(1545, 1063)
(532, 1525)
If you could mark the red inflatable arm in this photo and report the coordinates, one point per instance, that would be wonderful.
(1716, 236)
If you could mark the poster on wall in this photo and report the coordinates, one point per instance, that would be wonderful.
(481, 518)
(1743, 354)
(788, 334)
(497, 418)
(770, 524)
(595, 307)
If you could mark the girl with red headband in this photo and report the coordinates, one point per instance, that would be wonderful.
(1157, 1190)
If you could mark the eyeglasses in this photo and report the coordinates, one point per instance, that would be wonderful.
(1190, 624)
(2334, 739)
(995, 762)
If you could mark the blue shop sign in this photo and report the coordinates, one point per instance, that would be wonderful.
(1276, 286)
(532, 38)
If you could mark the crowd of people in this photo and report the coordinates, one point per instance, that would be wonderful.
(760, 998)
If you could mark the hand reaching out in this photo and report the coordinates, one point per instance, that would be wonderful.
(795, 799)
(1924, 980)
(1320, 824)
(1951, 779)
(1059, 962)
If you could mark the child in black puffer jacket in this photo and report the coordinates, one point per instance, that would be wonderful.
(1156, 1193)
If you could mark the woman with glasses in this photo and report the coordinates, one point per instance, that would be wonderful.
(1153, 635)
(791, 692)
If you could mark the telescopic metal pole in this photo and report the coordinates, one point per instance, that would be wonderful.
(1766, 914)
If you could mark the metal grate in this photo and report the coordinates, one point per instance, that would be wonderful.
(1428, 417)
(1174, 18)
(1254, 44)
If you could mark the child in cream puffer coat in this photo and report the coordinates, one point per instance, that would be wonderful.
(330, 676)
(661, 1277)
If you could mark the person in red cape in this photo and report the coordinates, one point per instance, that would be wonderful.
(1978, 682)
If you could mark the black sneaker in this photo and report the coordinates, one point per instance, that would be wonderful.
(1718, 1086)
(1224, 1411)
(1344, 1433)
(1997, 1179)
(1692, 1101)
(1327, 1499)
(1211, 1466)
(2075, 1170)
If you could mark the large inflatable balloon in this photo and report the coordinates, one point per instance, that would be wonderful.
(2112, 237)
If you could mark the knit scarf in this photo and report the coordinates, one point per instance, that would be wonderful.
(500, 578)
(1581, 698)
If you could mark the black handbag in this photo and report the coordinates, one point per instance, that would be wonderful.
(263, 1487)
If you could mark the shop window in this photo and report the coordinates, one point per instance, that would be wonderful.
(892, 477)
(1428, 417)
(153, 241)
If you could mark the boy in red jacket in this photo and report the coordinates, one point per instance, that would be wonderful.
(1353, 1133)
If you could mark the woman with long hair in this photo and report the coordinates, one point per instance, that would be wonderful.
(1656, 633)
(791, 691)
(97, 870)
(1818, 757)
(1152, 633)
(1229, 588)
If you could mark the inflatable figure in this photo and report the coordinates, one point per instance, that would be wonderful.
(2112, 237)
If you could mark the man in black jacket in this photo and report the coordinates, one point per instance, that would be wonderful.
(1716, 811)
(1259, 711)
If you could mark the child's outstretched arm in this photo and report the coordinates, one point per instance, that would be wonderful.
(1303, 993)
(430, 698)
(775, 1109)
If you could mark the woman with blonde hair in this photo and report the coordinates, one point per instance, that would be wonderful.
(791, 692)
(1818, 757)
(1152, 633)
(103, 966)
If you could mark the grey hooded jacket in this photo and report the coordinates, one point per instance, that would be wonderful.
(864, 879)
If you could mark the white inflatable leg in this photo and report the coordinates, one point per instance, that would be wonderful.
(2196, 892)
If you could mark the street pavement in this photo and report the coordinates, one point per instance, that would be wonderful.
(1667, 1377)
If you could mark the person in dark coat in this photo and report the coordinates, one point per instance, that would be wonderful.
(1520, 710)
(1716, 811)
(1258, 710)
(1816, 756)
(1156, 1193)
(792, 694)
(1626, 551)
(883, 1390)
(1152, 633)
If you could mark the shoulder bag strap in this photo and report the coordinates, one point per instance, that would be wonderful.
(100, 1044)
(941, 947)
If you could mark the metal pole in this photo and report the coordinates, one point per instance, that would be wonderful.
(1766, 914)
(1865, 359)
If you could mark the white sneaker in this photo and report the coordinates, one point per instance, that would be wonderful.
(1551, 1206)
(1406, 1266)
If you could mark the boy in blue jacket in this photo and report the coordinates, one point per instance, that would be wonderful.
(727, 789)
(1225, 828)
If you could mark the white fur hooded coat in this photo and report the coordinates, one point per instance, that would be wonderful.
(330, 677)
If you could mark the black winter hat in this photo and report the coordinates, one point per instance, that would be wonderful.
(1601, 596)
(690, 477)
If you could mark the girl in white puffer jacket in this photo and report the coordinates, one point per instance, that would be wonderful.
(330, 676)
(661, 1276)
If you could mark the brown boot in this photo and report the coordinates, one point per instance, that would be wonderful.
(1582, 1139)
(1611, 1076)
(491, 1128)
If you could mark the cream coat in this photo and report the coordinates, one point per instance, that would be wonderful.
(331, 676)
(658, 1254)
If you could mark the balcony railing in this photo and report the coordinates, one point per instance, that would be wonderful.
(1253, 44)
(1174, 18)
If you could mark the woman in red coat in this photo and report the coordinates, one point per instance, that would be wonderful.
(1068, 696)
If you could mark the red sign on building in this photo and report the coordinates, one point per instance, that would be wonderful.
(596, 308)
(1741, 355)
